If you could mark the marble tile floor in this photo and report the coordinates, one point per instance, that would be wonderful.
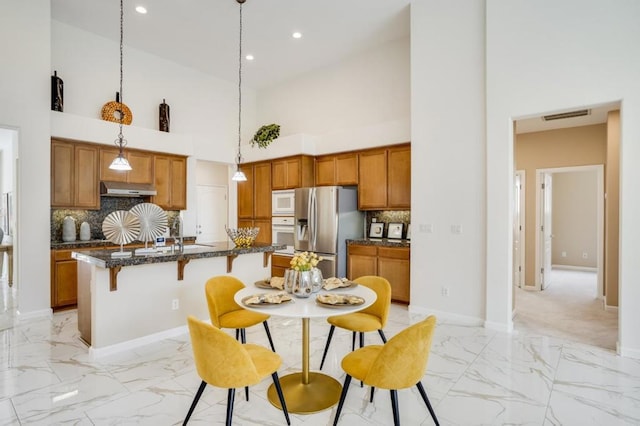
(474, 377)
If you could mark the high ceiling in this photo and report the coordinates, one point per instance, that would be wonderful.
(203, 34)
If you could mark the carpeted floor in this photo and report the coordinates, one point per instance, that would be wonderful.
(568, 309)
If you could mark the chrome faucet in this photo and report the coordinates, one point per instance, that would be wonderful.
(176, 233)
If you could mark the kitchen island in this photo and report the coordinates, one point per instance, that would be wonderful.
(126, 302)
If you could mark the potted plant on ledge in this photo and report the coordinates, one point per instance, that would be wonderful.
(265, 135)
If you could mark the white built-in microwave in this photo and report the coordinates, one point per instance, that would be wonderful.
(283, 202)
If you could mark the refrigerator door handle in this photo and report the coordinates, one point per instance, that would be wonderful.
(313, 218)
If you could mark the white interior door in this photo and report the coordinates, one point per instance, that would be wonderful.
(545, 229)
(211, 213)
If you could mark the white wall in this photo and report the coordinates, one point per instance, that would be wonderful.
(358, 103)
(448, 158)
(25, 91)
(551, 55)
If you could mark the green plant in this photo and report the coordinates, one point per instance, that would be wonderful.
(265, 135)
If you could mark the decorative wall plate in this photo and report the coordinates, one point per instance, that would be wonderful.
(153, 221)
(121, 227)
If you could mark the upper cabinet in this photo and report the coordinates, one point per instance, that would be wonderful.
(74, 175)
(337, 169)
(141, 164)
(254, 194)
(170, 181)
(385, 178)
(292, 172)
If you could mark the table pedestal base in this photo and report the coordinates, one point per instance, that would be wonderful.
(320, 393)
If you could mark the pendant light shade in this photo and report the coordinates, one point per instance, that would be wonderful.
(120, 162)
(239, 176)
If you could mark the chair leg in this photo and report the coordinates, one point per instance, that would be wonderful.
(266, 328)
(276, 382)
(326, 347)
(343, 396)
(394, 407)
(237, 334)
(243, 336)
(246, 392)
(361, 339)
(382, 336)
(195, 401)
(371, 397)
(230, 397)
(425, 398)
(353, 341)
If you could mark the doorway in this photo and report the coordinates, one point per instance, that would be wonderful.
(8, 184)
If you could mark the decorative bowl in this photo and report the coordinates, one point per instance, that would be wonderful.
(243, 237)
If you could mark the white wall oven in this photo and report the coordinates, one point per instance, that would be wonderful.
(283, 202)
(282, 229)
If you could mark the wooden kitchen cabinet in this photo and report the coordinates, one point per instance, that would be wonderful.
(254, 194)
(279, 264)
(170, 180)
(391, 189)
(264, 235)
(292, 172)
(141, 166)
(64, 281)
(337, 169)
(392, 263)
(74, 175)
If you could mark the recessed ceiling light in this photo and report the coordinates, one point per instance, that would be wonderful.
(297, 34)
(141, 9)
(249, 57)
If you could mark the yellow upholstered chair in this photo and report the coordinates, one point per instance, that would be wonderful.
(398, 364)
(224, 362)
(226, 313)
(370, 319)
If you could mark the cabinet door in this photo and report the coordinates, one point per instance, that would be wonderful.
(162, 181)
(394, 265)
(66, 292)
(399, 178)
(178, 183)
(279, 264)
(62, 167)
(141, 167)
(362, 261)
(293, 173)
(262, 191)
(279, 174)
(87, 191)
(106, 157)
(372, 186)
(264, 236)
(346, 169)
(325, 171)
(245, 194)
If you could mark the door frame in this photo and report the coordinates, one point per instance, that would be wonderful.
(521, 174)
(599, 169)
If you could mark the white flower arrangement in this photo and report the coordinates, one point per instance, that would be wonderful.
(304, 261)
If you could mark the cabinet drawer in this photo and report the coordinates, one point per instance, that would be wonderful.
(62, 255)
(394, 253)
(363, 250)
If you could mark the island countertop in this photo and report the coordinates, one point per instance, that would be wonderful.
(380, 242)
(103, 259)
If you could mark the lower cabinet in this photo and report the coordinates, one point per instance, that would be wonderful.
(264, 235)
(64, 280)
(392, 263)
(279, 264)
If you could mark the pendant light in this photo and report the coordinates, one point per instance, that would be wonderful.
(120, 162)
(239, 176)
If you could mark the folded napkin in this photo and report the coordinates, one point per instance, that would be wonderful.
(334, 282)
(277, 282)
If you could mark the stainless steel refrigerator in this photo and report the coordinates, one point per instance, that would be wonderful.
(326, 216)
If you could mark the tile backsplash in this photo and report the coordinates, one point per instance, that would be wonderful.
(387, 217)
(95, 217)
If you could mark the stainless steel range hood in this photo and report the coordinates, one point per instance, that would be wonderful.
(124, 189)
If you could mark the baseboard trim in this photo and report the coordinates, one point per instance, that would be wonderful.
(628, 352)
(574, 268)
(498, 326)
(96, 353)
(443, 316)
(610, 308)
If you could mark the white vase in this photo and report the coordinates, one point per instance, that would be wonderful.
(85, 231)
(68, 229)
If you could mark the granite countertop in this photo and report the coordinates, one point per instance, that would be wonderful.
(380, 242)
(102, 258)
(68, 245)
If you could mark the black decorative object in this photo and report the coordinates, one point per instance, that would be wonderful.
(57, 92)
(164, 117)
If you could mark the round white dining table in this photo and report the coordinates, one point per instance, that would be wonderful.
(307, 392)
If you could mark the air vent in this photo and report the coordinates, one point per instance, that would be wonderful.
(570, 114)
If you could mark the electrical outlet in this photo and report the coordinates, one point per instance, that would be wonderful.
(445, 291)
(175, 304)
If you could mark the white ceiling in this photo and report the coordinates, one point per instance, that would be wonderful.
(203, 34)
